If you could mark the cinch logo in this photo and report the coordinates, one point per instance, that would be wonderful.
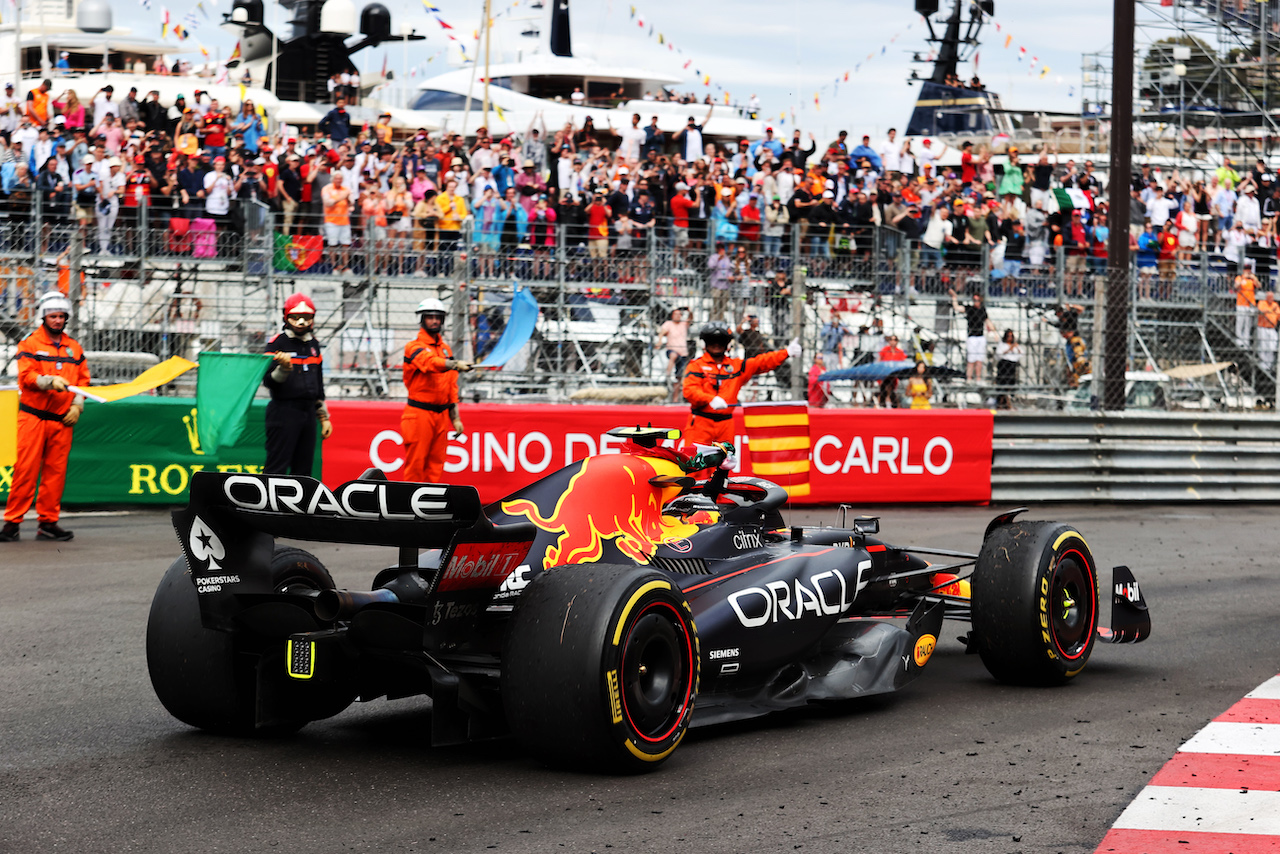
(6, 478)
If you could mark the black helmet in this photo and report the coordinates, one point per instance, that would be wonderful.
(716, 332)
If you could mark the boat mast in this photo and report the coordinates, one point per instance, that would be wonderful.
(949, 50)
(487, 28)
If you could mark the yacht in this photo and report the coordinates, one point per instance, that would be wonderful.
(540, 86)
(287, 72)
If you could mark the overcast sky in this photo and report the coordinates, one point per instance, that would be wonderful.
(783, 50)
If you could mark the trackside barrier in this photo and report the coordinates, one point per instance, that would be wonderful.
(1157, 457)
(144, 450)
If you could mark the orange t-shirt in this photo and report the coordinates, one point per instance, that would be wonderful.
(1268, 313)
(1246, 286)
(374, 210)
(337, 205)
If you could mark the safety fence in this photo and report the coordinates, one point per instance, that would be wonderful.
(161, 277)
(1157, 457)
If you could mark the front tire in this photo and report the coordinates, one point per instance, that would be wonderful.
(206, 678)
(1035, 603)
(600, 668)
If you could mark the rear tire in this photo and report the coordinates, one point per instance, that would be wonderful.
(600, 668)
(1035, 603)
(206, 678)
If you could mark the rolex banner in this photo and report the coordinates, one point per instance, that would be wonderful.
(143, 450)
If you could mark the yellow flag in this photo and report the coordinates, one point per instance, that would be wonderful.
(153, 377)
(8, 427)
(1044, 69)
(243, 92)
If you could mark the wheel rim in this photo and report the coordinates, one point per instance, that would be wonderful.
(1072, 605)
(656, 672)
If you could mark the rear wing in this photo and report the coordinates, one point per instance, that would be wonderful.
(229, 527)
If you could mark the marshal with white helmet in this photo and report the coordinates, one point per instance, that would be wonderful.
(50, 362)
(431, 378)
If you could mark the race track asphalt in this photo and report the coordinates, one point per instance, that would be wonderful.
(90, 761)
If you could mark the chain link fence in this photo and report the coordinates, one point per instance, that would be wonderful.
(155, 279)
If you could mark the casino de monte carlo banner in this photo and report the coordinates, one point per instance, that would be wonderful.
(876, 456)
(142, 450)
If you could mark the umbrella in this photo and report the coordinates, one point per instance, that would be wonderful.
(868, 372)
(937, 372)
(898, 369)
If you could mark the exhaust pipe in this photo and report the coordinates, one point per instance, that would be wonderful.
(333, 605)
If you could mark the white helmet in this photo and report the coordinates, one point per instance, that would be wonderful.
(54, 302)
(431, 305)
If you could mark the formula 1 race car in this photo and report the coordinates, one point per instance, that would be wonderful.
(597, 613)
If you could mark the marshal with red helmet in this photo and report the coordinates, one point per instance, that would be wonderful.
(296, 383)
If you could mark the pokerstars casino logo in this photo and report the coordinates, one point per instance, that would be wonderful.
(206, 549)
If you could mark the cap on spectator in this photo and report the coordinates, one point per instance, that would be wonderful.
(1013, 149)
(681, 185)
(219, 159)
(180, 98)
(740, 180)
(260, 161)
(528, 164)
(60, 120)
(108, 88)
(727, 191)
(457, 161)
(293, 140)
(113, 161)
(385, 116)
(8, 85)
(768, 130)
(366, 142)
(827, 194)
(622, 170)
(742, 142)
(927, 141)
(138, 160)
(64, 54)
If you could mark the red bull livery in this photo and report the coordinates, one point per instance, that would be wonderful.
(597, 613)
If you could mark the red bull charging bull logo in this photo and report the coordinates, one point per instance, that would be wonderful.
(608, 499)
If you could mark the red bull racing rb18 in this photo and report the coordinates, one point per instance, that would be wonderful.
(597, 613)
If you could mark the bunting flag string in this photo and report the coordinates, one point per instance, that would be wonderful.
(1022, 54)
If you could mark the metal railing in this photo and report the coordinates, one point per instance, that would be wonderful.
(1158, 457)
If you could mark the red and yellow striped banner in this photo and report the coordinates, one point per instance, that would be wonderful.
(778, 441)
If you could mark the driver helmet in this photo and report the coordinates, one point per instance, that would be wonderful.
(431, 305)
(53, 302)
(716, 332)
(299, 304)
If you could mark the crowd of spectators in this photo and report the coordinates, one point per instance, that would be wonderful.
(727, 212)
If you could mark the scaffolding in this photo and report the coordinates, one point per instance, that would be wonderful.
(1207, 81)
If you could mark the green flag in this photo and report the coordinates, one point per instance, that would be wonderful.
(225, 387)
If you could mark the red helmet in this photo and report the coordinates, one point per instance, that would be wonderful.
(299, 304)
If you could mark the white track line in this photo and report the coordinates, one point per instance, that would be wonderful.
(1184, 808)
(1247, 739)
(1269, 690)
